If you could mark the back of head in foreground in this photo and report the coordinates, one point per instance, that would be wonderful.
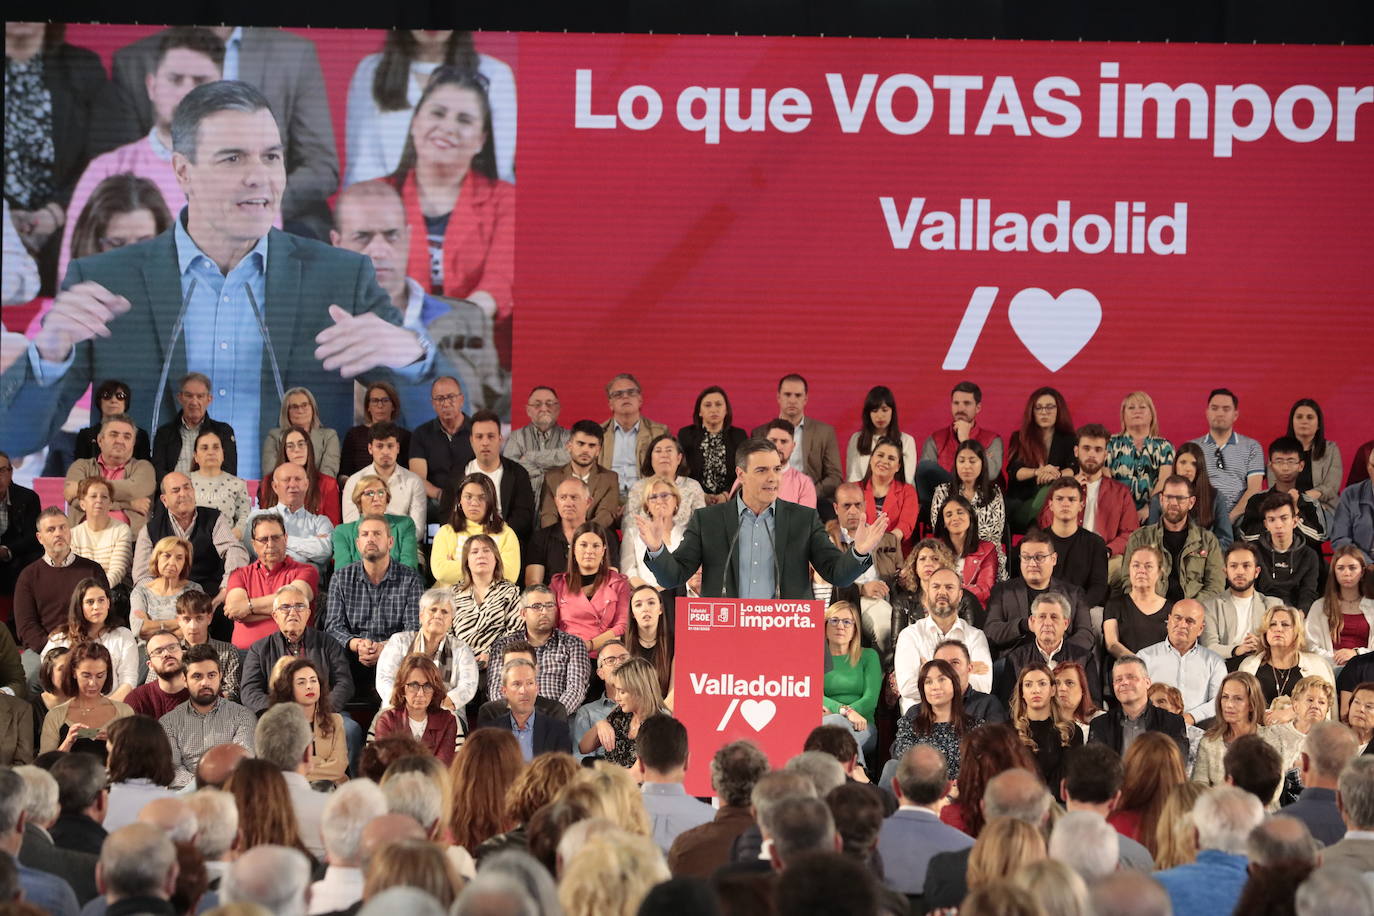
(274, 877)
(611, 875)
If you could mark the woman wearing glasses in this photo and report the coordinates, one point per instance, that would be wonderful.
(854, 681)
(111, 397)
(417, 709)
(455, 661)
(381, 404)
(371, 496)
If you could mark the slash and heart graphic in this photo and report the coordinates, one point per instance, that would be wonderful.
(758, 713)
(1054, 329)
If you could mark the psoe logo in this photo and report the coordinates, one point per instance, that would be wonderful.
(707, 615)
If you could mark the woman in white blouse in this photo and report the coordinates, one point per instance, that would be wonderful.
(434, 641)
(664, 460)
(99, 537)
(386, 87)
(660, 505)
(215, 487)
(87, 614)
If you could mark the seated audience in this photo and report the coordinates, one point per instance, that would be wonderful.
(263, 798)
(175, 442)
(1232, 619)
(560, 658)
(663, 460)
(660, 507)
(536, 734)
(917, 643)
(36, 850)
(877, 422)
(204, 720)
(981, 564)
(441, 447)
(347, 812)
(215, 485)
(285, 739)
(661, 745)
(548, 553)
(294, 638)
(1008, 618)
(140, 769)
(167, 690)
(433, 640)
(483, 771)
(88, 619)
(537, 786)
(582, 450)
(1037, 454)
(1236, 462)
(253, 588)
(1092, 779)
(1355, 798)
(43, 590)
(542, 445)
(370, 497)
(216, 552)
(1289, 565)
(736, 769)
(132, 480)
(1135, 715)
(1191, 566)
(1354, 519)
(1106, 505)
(83, 797)
(487, 600)
(637, 698)
(405, 489)
(300, 410)
(1340, 626)
(1153, 768)
(870, 590)
(475, 511)
(937, 460)
(381, 404)
(853, 679)
(1085, 843)
(307, 500)
(593, 598)
(1049, 622)
(1190, 463)
(1240, 712)
(1139, 616)
(886, 490)
(19, 545)
(153, 602)
(416, 707)
(193, 623)
(88, 681)
(1182, 661)
(907, 586)
(709, 443)
(121, 195)
(507, 477)
(1283, 660)
(1082, 554)
(1040, 724)
(939, 718)
(1223, 818)
(1285, 468)
(1073, 694)
(1139, 458)
(100, 537)
(974, 479)
(608, 661)
(914, 834)
(1252, 764)
(649, 635)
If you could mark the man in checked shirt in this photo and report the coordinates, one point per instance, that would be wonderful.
(560, 657)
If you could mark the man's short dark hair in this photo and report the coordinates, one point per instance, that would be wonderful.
(268, 517)
(1274, 501)
(209, 99)
(1092, 431)
(968, 387)
(1093, 773)
(922, 784)
(1285, 445)
(485, 416)
(754, 446)
(192, 38)
(1063, 483)
(201, 653)
(80, 780)
(956, 643)
(1178, 480)
(786, 426)
(858, 815)
(1235, 401)
(793, 377)
(826, 884)
(1253, 765)
(735, 768)
(382, 430)
(518, 647)
(834, 740)
(1037, 536)
(1241, 545)
(662, 743)
(797, 825)
(589, 428)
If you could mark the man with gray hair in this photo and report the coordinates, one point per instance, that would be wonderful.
(1334, 890)
(284, 739)
(38, 850)
(1329, 746)
(346, 813)
(294, 637)
(492, 893)
(796, 825)
(1084, 841)
(1355, 799)
(174, 442)
(217, 815)
(560, 657)
(416, 795)
(345, 321)
(47, 891)
(1281, 840)
(276, 878)
(1051, 615)
(914, 834)
(824, 771)
(537, 733)
(1223, 818)
(1134, 714)
(735, 770)
(1014, 793)
(1129, 892)
(750, 850)
(173, 817)
(138, 871)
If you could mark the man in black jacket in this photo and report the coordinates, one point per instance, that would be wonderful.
(174, 442)
(1135, 714)
(19, 540)
(1008, 621)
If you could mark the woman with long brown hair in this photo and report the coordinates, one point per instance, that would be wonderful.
(1072, 695)
(483, 772)
(1153, 765)
(301, 681)
(536, 786)
(939, 719)
(266, 813)
(140, 767)
(593, 598)
(1340, 624)
(1037, 453)
(87, 680)
(417, 708)
(1240, 711)
(1041, 724)
(88, 618)
(986, 751)
(649, 636)
(1191, 462)
(487, 604)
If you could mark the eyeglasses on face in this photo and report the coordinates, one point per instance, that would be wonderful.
(417, 687)
(293, 610)
(624, 393)
(840, 622)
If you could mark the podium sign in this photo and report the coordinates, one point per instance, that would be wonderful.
(747, 669)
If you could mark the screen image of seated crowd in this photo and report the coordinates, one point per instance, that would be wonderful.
(354, 544)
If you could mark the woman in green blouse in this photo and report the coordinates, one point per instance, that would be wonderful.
(854, 680)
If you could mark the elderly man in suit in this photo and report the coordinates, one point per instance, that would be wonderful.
(755, 545)
(537, 733)
(914, 833)
(290, 312)
(816, 452)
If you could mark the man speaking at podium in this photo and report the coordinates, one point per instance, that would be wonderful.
(755, 545)
(262, 310)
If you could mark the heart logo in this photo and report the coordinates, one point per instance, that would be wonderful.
(758, 713)
(1055, 328)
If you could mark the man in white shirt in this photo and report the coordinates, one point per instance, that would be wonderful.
(308, 535)
(1231, 618)
(284, 739)
(406, 487)
(508, 478)
(1184, 663)
(916, 644)
(347, 811)
(660, 769)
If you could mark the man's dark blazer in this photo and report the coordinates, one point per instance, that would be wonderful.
(1027, 652)
(167, 443)
(500, 709)
(21, 537)
(76, 868)
(323, 649)
(1107, 729)
(946, 879)
(78, 832)
(711, 543)
(304, 278)
(550, 734)
(1008, 620)
(516, 497)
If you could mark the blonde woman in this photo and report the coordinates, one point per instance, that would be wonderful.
(299, 408)
(611, 875)
(100, 537)
(854, 680)
(1055, 886)
(637, 698)
(1283, 659)
(1240, 711)
(1138, 456)
(371, 495)
(153, 603)
(1175, 839)
(609, 791)
(1004, 845)
(661, 502)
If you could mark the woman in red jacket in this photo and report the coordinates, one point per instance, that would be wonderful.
(884, 491)
(461, 217)
(417, 709)
(979, 562)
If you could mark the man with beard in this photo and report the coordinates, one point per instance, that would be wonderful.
(584, 453)
(1108, 509)
(1192, 555)
(1231, 618)
(938, 451)
(916, 644)
(252, 588)
(371, 599)
(168, 689)
(1049, 622)
(204, 720)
